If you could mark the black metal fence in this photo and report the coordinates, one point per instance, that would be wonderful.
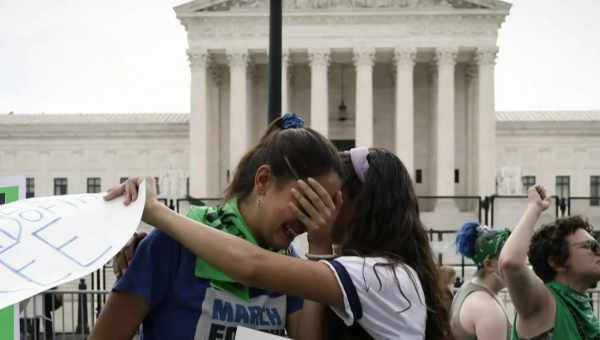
(60, 314)
(496, 211)
(70, 314)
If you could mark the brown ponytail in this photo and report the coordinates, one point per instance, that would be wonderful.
(308, 152)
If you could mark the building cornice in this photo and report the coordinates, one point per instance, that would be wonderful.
(101, 131)
(290, 7)
(548, 116)
(547, 128)
(341, 12)
(159, 126)
(77, 126)
(333, 29)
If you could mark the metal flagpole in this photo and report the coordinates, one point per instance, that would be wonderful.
(275, 37)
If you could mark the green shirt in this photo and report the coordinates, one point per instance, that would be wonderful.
(569, 306)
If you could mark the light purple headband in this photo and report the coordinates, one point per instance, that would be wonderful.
(359, 161)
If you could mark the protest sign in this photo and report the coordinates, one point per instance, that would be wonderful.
(244, 333)
(47, 241)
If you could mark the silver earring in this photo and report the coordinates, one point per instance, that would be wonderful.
(259, 202)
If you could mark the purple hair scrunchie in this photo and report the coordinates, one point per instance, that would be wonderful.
(359, 161)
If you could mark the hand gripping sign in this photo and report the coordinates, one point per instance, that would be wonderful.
(47, 241)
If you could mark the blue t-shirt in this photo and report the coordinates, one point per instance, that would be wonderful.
(183, 306)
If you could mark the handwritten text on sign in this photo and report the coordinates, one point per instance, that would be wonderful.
(48, 241)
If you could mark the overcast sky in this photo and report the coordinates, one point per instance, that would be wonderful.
(68, 56)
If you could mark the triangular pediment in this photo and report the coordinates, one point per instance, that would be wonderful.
(291, 5)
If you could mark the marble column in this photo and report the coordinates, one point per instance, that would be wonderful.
(217, 170)
(444, 122)
(404, 59)
(364, 58)
(472, 130)
(432, 80)
(285, 82)
(239, 123)
(486, 119)
(199, 123)
(319, 90)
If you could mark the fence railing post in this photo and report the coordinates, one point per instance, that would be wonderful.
(562, 206)
(491, 201)
(82, 312)
(485, 207)
(98, 297)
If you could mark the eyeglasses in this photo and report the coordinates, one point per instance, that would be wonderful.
(592, 245)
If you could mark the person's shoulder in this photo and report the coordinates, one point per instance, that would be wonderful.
(379, 271)
(356, 260)
(480, 303)
(372, 262)
(354, 266)
(157, 235)
(158, 240)
(369, 261)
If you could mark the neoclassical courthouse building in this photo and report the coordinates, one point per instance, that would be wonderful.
(413, 76)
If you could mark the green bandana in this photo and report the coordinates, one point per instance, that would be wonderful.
(226, 218)
(490, 248)
(580, 307)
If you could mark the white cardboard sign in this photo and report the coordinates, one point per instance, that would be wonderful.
(47, 241)
(244, 333)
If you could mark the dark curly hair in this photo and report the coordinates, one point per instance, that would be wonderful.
(551, 241)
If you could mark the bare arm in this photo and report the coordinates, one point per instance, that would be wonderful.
(527, 291)
(247, 263)
(312, 318)
(120, 317)
(482, 315)
(312, 321)
(241, 260)
(293, 322)
(307, 323)
(491, 323)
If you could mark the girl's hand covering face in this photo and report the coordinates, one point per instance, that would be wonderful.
(314, 207)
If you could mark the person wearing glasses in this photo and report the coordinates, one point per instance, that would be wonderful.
(383, 282)
(551, 302)
(175, 294)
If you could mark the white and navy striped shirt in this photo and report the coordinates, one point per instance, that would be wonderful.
(384, 308)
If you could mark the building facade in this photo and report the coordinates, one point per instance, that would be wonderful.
(91, 152)
(413, 76)
(407, 75)
(67, 154)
